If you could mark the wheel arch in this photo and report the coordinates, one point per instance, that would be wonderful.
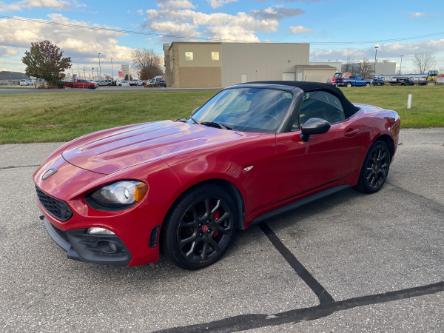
(389, 141)
(225, 184)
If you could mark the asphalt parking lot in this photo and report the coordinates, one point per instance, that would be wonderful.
(348, 263)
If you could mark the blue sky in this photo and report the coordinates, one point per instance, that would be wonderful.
(337, 29)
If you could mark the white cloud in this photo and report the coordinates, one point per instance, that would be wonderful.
(277, 13)
(174, 4)
(418, 14)
(182, 29)
(7, 51)
(386, 51)
(28, 4)
(220, 3)
(82, 45)
(178, 20)
(299, 29)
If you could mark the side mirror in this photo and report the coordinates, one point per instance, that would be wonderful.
(314, 126)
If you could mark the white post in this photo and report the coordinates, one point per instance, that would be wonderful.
(409, 101)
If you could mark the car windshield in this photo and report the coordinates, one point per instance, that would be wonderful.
(245, 109)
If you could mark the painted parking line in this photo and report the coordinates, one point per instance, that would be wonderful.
(252, 321)
(322, 294)
(327, 305)
(18, 166)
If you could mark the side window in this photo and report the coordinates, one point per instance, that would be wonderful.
(321, 104)
(215, 55)
(189, 56)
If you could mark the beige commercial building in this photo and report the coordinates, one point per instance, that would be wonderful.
(216, 65)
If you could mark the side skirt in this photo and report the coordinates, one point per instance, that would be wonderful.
(300, 202)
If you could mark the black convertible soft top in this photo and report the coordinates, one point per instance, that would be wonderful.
(349, 108)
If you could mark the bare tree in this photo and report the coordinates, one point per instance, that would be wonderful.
(147, 63)
(366, 69)
(423, 61)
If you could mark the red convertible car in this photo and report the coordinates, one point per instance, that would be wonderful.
(121, 195)
(83, 84)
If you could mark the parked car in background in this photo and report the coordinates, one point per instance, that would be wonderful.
(123, 83)
(80, 84)
(25, 83)
(105, 83)
(159, 81)
(156, 82)
(440, 79)
(188, 186)
(333, 79)
(432, 76)
(402, 81)
(149, 83)
(352, 81)
(378, 80)
(133, 83)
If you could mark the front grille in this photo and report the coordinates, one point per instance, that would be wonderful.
(57, 208)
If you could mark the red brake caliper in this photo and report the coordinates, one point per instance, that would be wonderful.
(216, 216)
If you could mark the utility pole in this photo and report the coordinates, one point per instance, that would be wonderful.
(376, 57)
(100, 67)
(400, 65)
(112, 68)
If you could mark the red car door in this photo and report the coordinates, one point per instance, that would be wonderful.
(324, 158)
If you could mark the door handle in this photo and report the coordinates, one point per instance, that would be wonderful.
(350, 132)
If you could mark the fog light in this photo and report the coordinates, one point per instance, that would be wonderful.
(99, 231)
(107, 247)
(113, 247)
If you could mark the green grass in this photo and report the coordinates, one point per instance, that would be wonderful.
(61, 116)
(427, 107)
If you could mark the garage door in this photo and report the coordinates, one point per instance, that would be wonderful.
(288, 77)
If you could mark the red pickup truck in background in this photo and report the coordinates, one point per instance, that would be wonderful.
(80, 84)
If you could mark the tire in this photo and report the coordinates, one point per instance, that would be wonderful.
(375, 169)
(200, 227)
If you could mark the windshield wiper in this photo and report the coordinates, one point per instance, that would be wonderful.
(215, 124)
(194, 120)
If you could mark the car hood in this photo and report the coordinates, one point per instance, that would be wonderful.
(110, 151)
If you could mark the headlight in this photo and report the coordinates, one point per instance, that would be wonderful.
(119, 195)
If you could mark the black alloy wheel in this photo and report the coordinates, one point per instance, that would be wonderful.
(375, 169)
(200, 228)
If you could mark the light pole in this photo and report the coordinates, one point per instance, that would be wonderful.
(112, 68)
(100, 67)
(376, 56)
(400, 65)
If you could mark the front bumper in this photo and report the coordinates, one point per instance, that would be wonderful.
(98, 249)
(67, 211)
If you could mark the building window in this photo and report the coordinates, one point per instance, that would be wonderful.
(189, 56)
(215, 55)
